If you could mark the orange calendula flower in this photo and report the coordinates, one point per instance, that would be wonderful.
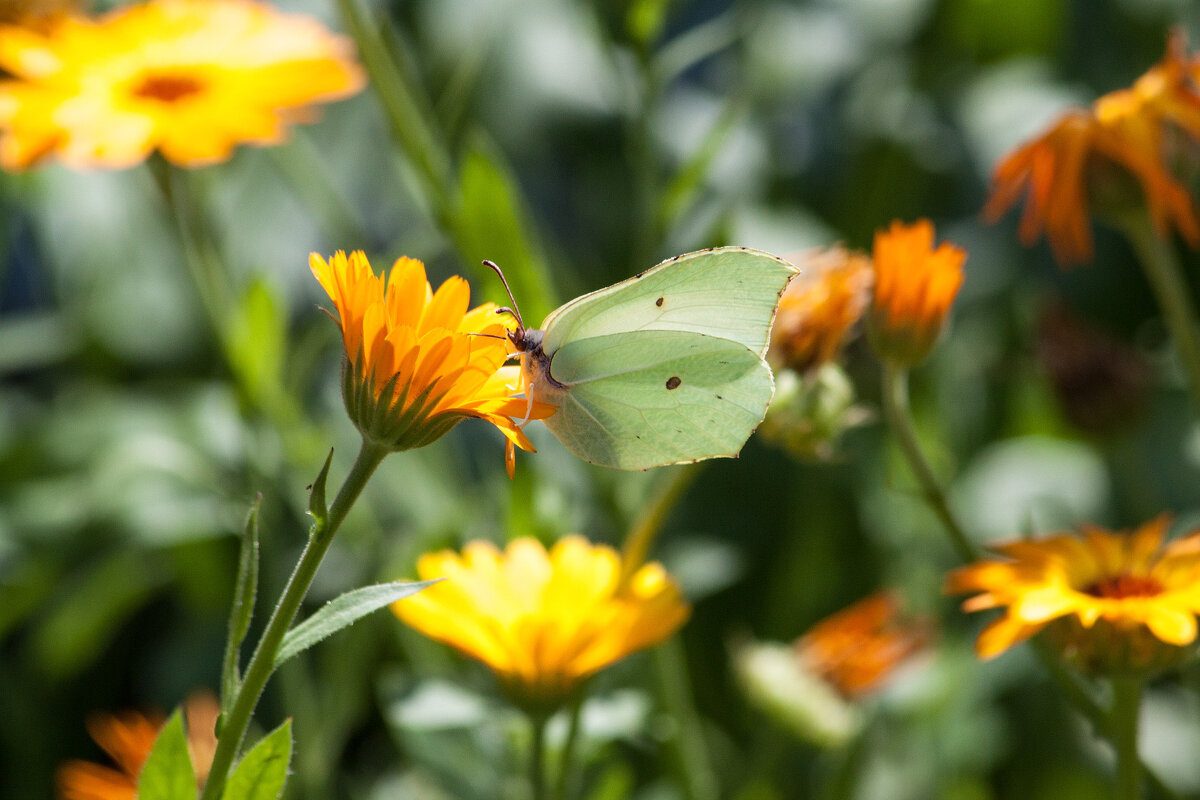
(1090, 155)
(128, 737)
(1115, 602)
(915, 284)
(190, 78)
(819, 307)
(859, 647)
(817, 687)
(420, 361)
(543, 621)
(35, 13)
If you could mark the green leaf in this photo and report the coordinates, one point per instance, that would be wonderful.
(256, 341)
(242, 608)
(492, 224)
(167, 774)
(263, 772)
(344, 611)
(316, 493)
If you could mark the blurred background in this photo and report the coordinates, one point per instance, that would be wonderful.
(585, 142)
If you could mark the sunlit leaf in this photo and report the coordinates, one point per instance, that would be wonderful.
(343, 611)
(167, 773)
(262, 774)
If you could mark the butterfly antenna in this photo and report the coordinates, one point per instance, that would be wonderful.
(516, 312)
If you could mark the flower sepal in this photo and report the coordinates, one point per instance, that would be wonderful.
(388, 416)
(543, 699)
(1112, 649)
(810, 412)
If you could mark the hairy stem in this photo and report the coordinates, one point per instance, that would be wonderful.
(262, 663)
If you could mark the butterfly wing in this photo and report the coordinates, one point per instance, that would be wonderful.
(647, 398)
(727, 292)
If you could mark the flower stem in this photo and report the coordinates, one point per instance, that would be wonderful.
(1127, 695)
(848, 768)
(537, 756)
(644, 530)
(199, 252)
(1161, 265)
(301, 165)
(564, 764)
(410, 119)
(899, 418)
(262, 663)
(693, 764)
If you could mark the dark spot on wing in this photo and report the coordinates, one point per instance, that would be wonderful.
(673, 382)
(659, 302)
(720, 398)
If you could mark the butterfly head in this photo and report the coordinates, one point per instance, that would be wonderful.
(526, 340)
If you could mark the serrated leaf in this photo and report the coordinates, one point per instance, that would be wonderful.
(167, 773)
(242, 609)
(263, 772)
(316, 494)
(344, 611)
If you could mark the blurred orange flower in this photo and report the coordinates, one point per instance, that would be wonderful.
(819, 307)
(1089, 155)
(35, 13)
(915, 284)
(818, 687)
(128, 737)
(1128, 602)
(859, 647)
(543, 621)
(191, 78)
(419, 360)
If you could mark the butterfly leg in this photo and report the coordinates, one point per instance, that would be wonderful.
(528, 406)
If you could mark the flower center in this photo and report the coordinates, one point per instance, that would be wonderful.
(1122, 586)
(167, 88)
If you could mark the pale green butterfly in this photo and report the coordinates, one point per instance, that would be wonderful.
(666, 367)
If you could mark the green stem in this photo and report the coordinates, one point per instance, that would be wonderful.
(410, 119)
(1127, 696)
(1161, 265)
(262, 663)
(848, 767)
(564, 764)
(689, 752)
(537, 756)
(301, 165)
(644, 531)
(899, 418)
(199, 253)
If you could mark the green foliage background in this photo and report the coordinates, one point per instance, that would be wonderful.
(576, 143)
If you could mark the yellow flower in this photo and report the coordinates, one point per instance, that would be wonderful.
(819, 307)
(191, 78)
(1091, 155)
(914, 287)
(543, 621)
(419, 361)
(128, 737)
(1118, 602)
